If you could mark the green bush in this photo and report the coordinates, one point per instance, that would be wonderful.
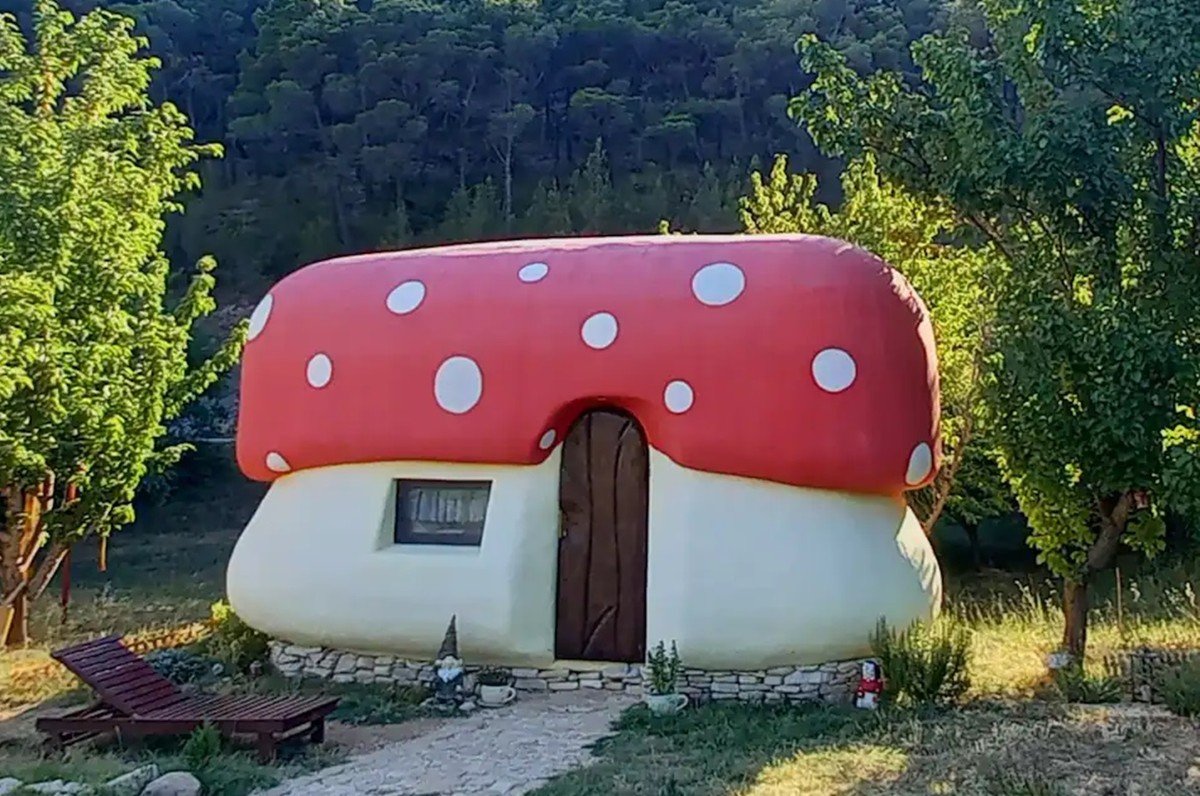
(233, 641)
(236, 774)
(181, 666)
(222, 769)
(202, 747)
(1076, 685)
(1008, 784)
(377, 704)
(925, 664)
(1179, 688)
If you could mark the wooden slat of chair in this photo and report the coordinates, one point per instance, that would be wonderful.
(91, 652)
(239, 709)
(122, 679)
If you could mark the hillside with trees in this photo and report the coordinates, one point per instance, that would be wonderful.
(398, 122)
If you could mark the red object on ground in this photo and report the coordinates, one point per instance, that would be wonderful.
(796, 359)
(869, 684)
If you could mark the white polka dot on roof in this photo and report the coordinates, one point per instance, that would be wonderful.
(276, 463)
(406, 297)
(599, 330)
(260, 316)
(547, 440)
(718, 284)
(678, 397)
(458, 385)
(319, 370)
(920, 462)
(534, 272)
(834, 370)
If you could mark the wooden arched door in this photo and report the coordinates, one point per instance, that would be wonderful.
(604, 492)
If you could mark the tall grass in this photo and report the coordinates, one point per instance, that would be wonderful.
(1017, 621)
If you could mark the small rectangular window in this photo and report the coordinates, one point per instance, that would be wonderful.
(441, 512)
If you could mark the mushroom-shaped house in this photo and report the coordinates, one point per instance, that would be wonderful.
(583, 446)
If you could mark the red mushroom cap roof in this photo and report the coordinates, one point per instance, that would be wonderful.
(796, 359)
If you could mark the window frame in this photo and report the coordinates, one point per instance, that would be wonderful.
(403, 532)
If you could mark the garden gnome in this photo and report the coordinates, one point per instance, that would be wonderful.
(447, 685)
(870, 686)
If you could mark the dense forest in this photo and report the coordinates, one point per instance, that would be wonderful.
(398, 122)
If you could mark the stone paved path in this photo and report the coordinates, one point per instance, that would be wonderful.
(509, 750)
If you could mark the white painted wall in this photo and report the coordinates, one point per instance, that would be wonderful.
(317, 564)
(747, 574)
(743, 574)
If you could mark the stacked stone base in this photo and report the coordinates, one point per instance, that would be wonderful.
(1142, 670)
(829, 682)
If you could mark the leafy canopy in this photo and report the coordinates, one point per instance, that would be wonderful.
(93, 361)
(1067, 135)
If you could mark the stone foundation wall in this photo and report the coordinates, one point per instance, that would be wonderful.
(829, 682)
(1142, 669)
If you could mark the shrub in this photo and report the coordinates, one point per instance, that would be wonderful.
(492, 675)
(236, 773)
(1076, 685)
(233, 641)
(925, 664)
(180, 666)
(1179, 688)
(377, 704)
(203, 746)
(664, 669)
(1008, 784)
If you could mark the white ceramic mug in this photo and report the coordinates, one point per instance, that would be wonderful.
(497, 695)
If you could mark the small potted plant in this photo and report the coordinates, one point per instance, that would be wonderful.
(663, 669)
(494, 688)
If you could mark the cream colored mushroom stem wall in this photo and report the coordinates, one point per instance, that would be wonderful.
(317, 564)
(743, 574)
(747, 574)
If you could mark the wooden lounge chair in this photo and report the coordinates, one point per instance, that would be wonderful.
(135, 700)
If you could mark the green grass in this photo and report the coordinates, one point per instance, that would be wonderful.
(1006, 740)
(360, 704)
(231, 770)
(1021, 749)
(1016, 621)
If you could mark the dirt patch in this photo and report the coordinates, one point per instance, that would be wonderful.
(358, 739)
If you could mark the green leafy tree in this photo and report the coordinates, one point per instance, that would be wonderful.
(547, 213)
(916, 237)
(591, 192)
(473, 214)
(93, 361)
(1067, 136)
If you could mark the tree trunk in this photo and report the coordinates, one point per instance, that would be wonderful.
(1075, 614)
(1113, 514)
(18, 545)
(14, 623)
(26, 565)
(508, 184)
